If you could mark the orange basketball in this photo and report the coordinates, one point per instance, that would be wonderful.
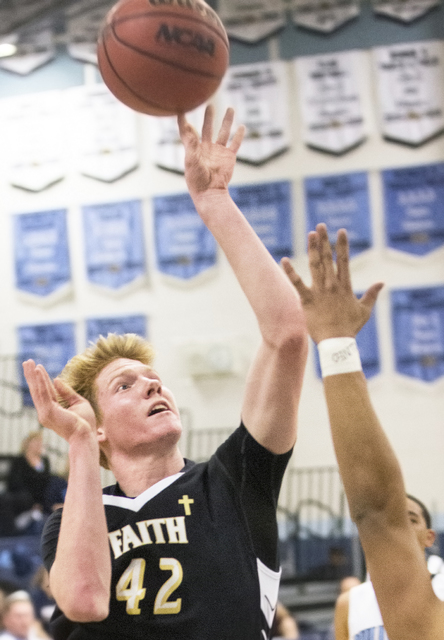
(162, 57)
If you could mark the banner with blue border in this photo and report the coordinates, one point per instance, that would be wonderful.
(342, 202)
(51, 345)
(96, 327)
(418, 332)
(184, 246)
(114, 242)
(41, 252)
(414, 208)
(268, 208)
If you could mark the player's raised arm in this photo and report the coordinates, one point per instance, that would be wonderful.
(81, 573)
(370, 471)
(274, 382)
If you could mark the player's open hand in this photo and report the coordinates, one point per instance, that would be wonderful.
(209, 165)
(331, 308)
(76, 419)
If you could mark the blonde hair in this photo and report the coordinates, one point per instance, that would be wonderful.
(81, 371)
(32, 435)
(16, 596)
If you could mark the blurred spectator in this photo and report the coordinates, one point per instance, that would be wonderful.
(284, 624)
(41, 596)
(336, 568)
(34, 491)
(18, 619)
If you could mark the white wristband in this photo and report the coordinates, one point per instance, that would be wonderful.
(338, 355)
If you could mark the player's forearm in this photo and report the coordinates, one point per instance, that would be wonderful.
(268, 291)
(369, 468)
(81, 574)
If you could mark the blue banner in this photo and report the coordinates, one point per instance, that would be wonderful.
(51, 345)
(184, 245)
(418, 332)
(414, 208)
(115, 253)
(368, 345)
(342, 202)
(96, 327)
(268, 208)
(41, 252)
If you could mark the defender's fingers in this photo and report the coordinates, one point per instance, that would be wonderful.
(343, 259)
(207, 127)
(237, 139)
(225, 128)
(369, 298)
(314, 260)
(295, 279)
(326, 255)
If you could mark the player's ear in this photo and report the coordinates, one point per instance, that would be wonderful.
(430, 538)
(101, 437)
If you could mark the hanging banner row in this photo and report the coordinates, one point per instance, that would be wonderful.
(417, 330)
(253, 20)
(114, 233)
(52, 345)
(245, 20)
(85, 129)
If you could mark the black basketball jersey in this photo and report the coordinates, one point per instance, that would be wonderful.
(195, 556)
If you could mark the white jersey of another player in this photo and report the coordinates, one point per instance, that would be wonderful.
(364, 617)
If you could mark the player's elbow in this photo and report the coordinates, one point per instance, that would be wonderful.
(373, 518)
(292, 341)
(87, 606)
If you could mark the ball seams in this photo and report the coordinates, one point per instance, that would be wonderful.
(169, 14)
(130, 89)
(153, 56)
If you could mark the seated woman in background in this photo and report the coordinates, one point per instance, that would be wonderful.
(30, 485)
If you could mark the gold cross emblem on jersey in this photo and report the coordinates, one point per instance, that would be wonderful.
(186, 501)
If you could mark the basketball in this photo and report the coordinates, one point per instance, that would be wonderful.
(162, 57)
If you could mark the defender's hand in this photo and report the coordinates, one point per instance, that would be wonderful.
(331, 308)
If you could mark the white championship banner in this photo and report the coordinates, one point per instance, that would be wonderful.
(259, 95)
(324, 15)
(251, 20)
(410, 80)
(35, 47)
(330, 101)
(104, 133)
(404, 10)
(167, 148)
(32, 130)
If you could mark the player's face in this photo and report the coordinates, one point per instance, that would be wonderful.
(35, 446)
(425, 536)
(137, 410)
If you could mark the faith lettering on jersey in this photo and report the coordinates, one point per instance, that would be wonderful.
(156, 531)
